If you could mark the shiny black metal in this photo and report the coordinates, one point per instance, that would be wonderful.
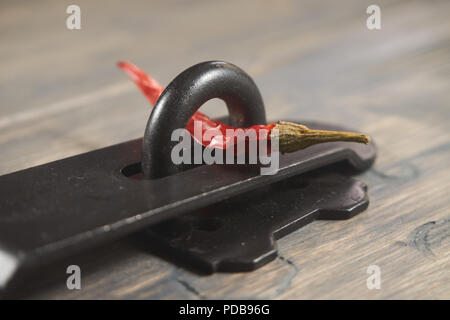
(240, 233)
(184, 95)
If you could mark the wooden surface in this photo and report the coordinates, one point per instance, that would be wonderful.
(61, 95)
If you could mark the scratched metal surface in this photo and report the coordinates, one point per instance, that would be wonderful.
(62, 95)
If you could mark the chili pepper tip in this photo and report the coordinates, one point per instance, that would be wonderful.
(293, 137)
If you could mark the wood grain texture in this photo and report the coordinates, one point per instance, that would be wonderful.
(61, 95)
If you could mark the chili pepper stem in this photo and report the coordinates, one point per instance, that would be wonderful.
(293, 137)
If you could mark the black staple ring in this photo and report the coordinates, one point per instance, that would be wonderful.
(184, 96)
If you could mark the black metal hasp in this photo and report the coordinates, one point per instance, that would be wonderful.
(60, 208)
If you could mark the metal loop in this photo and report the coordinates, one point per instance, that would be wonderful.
(184, 96)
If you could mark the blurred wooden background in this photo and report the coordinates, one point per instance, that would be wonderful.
(61, 94)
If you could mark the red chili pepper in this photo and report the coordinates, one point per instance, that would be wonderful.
(292, 136)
